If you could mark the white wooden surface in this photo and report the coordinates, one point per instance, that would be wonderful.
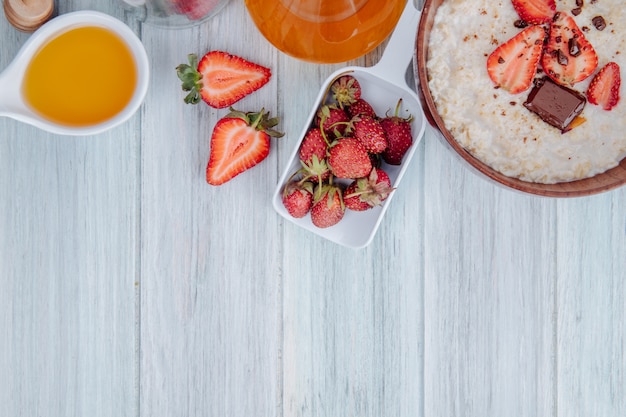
(129, 287)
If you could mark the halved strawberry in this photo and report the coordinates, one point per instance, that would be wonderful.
(604, 88)
(239, 142)
(220, 79)
(513, 65)
(568, 57)
(535, 12)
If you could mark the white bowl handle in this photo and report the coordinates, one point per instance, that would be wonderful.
(400, 48)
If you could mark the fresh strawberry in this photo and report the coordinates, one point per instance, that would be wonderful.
(332, 119)
(239, 142)
(220, 79)
(348, 158)
(604, 88)
(313, 143)
(364, 193)
(535, 12)
(298, 197)
(328, 208)
(313, 152)
(399, 137)
(370, 133)
(361, 107)
(568, 56)
(346, 90)
(194, 9)
(513, 65)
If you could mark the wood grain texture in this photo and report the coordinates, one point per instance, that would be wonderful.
(130, 287)
(68, 222)
(210, 287)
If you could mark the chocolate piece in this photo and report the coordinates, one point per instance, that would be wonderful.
(599, 22)
(574, 46)
(576, 11)
(554, 103)
(579, 3)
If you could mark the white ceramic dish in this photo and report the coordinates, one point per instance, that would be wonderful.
(382, 85)
(12, 103)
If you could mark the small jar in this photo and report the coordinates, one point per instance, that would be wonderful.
(176, 13)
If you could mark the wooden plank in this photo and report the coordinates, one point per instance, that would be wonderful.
(591, 294)
(352, 320)
(210, 288)
(488, 297)
(68, 263)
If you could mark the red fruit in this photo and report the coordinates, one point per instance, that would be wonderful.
(513, 65)
(332, 120)
(298, 198)
(535, 12)
(328, 208)
(348, 158)
(604, 88)
(220, 79)
(568, 56)
(346, 90)
(399, 137)
(239, 142)
(361, 107)
(313, 143)
(194, 9)
(364, 193)
(370, 133)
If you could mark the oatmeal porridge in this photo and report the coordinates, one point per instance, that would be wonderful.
(494, 125)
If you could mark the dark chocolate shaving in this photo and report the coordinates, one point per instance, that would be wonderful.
(574, 47)
(599, 22)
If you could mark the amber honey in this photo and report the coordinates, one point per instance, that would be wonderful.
(325, 31)
(81, 77)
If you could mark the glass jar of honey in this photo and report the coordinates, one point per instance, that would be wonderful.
(325, 31)
(175, 13)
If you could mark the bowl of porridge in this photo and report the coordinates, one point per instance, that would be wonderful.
(520, 139)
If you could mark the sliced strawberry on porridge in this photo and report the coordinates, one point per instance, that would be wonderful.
(513, 65)
(535, 12)
(569, 57)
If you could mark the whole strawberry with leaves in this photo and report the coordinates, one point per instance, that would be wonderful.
(298, 196)
(239, 141)
(348, 158)
(346, 90)
(370, 133)
(364, 193)
(328, 207)
(399, 136)
(332, 120)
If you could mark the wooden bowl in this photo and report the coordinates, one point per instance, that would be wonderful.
(611, 179)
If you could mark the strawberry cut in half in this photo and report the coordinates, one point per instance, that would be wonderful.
(239, 142)
(535, 12)
(604, 87)
(513, 65)
(568, 57)
(220, 79)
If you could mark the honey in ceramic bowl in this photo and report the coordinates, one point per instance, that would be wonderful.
(84, 76)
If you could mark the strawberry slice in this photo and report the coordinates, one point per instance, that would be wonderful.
(513, 64)
(239, 142)
(568, 57)
(604, 88)
(220, 79)
(535, 12)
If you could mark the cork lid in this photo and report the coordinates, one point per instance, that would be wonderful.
(28, 15)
